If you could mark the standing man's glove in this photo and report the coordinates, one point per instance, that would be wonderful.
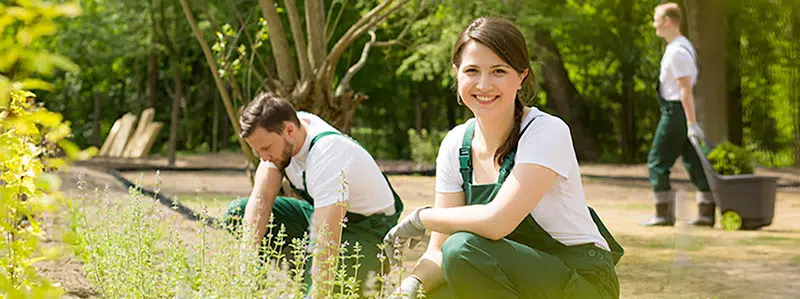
(409, 288)
(695, 131)
(408, 228)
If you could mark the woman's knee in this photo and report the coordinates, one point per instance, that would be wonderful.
(461, 246)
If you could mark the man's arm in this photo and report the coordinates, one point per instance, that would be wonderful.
(326, 251)
(687, 98)
(266, 184)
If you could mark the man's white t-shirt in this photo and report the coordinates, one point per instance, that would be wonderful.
(562, 212)
(678, 61)
(367, 191)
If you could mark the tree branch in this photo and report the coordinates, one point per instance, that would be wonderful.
(212, 65)
(315, 25)
(331, 29)
(243, 24)
(345, 83)
(398, 38)
(368, 22)
(299, 39)
(349, 36)
(280, 47)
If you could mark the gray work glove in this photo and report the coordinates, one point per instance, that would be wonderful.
(409, 228)
(695, 131)
(409, 288)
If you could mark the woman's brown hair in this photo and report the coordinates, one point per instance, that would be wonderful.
(507, 42)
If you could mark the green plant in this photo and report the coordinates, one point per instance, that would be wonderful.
(425, 146)
(32, 140)
(729, 159)
(139, 252)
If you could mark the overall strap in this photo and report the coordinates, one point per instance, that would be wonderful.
(465, 155)
(311, 145)
(693, 58)
(690, 52)
(508, 160)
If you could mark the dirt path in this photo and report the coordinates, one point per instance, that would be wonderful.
(672, 262)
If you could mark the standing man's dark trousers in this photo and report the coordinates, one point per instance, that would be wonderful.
(669, 142)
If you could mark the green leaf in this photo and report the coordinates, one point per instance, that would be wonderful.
(46, 118)
(36, 84)
(47, 182)
(64, 63)
(69, 148)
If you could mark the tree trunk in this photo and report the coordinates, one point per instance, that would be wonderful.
(152, 75)
(451, 106)
(175, 113)
(417, 112)
(215, 127)
(137, 66)
(96, 123)
(627, 122)
(212, 65)
(564, 97)
(733, 75)
(707, 30)
(795, 78)
(280, 46)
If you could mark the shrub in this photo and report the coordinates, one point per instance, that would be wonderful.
(31, 141)
(730, 159)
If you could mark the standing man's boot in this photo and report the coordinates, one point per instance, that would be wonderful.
(665, 209)
(706, 209)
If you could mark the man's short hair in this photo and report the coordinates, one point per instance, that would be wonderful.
(269, 111)
(672, 11)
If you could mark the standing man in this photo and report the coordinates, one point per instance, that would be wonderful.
(318, 161)
(678, 120)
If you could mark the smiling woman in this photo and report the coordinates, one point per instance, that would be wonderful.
(510, 217)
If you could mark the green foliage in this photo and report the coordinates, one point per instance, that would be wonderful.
(411, 83)
(376, 142)
(32, 140)
(425, 146)
(729, 159)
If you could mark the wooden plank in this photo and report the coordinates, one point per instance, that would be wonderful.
(144, 121)
(123, 136)
(145, 143)
(110, 139)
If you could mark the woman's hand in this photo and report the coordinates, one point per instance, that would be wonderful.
(409, 288)
(409, 227)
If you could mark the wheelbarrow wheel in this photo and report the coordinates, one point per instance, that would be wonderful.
(731, 220)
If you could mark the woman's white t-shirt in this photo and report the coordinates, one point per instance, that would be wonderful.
(562, 212)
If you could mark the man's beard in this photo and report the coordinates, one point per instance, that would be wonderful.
(286, 156)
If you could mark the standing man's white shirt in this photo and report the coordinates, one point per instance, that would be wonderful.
(562, 212)
(678, 61)
(368, 193)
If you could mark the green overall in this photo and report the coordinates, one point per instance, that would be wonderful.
(528, 263)
(295, 215)
(669, 142)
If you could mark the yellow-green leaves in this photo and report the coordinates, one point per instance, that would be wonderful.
(74, 152)
(30, 137)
